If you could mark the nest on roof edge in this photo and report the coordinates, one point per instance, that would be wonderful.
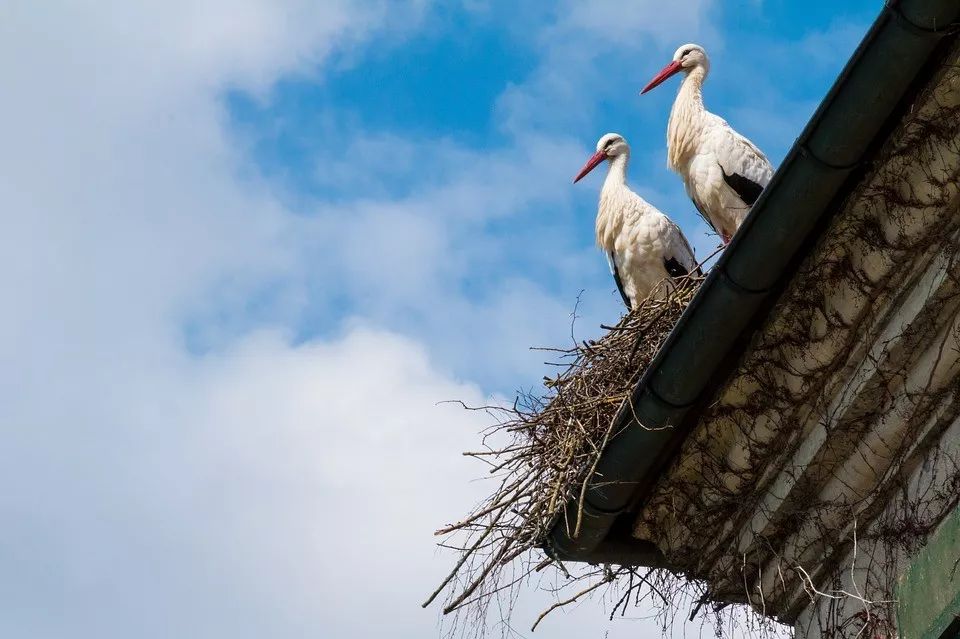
(541, 453)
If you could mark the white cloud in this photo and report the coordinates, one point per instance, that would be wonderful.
(270, 487)
(242, 495)
(629, 24)
(151, 492)
(446, 259)
(116, 169)
(266, 488)
(773, 112)
(583, 53)
(831, 46)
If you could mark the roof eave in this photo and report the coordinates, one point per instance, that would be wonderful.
(783, 222)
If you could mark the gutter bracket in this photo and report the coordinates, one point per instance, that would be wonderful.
(919, 29)
(805, 152)
(666, 402)
(737, 286)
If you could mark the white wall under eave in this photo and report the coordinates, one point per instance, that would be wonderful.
(864, 588)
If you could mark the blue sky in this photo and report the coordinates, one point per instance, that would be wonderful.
(394, 123)
(250, 246)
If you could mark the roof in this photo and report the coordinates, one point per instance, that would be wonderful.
(847, 146)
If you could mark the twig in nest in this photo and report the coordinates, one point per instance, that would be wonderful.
(546, 447)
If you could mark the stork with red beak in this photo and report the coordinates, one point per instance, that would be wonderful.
(724, 172)
(645, 247)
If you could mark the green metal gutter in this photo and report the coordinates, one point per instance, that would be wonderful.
(832, 145)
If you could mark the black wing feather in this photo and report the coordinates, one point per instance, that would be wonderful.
(704, 216)
(747, 189)
(693, 256)
(616, 278)
(674, 267)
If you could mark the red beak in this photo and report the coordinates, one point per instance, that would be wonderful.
(591, 164)
(667, 71)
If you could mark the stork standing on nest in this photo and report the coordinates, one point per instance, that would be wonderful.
(643, 245)
(724, 172)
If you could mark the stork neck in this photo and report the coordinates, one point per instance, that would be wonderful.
(617, 172)
(686, 119)
(614, 194)
(691, 89)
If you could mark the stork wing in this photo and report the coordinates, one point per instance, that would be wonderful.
(679, 259)
(745, 168)
(674, 268)
(704, 215)
(612, 259)
(747, 189)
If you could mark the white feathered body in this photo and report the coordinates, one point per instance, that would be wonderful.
(701, 148)
(638, 238)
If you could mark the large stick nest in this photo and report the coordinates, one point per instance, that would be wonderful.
(542, 451)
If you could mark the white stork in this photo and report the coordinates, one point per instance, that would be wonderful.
(724, 172)
(643, 245)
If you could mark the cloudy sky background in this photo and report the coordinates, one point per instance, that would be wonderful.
(248, 247)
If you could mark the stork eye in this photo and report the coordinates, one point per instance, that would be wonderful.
(685, 53)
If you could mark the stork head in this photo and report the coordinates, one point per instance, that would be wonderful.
(686, 59)
(608, 147)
